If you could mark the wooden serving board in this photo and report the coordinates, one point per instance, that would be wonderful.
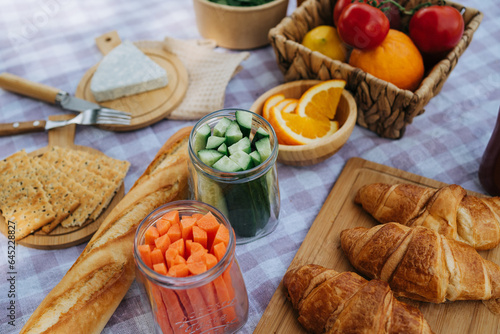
(64, 237)
(322, 246)
(146, 108)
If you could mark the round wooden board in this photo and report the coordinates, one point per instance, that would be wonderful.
(148, 107)
(64, 237)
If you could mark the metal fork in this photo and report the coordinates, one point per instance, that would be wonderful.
(87, 117)
(94, 116)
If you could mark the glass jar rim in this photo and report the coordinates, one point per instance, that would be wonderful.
(190, 281)
(241, 176)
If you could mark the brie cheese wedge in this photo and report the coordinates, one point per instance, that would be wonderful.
(125, 71)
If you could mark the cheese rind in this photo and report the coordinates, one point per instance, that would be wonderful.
(125, 71)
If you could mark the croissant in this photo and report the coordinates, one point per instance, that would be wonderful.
(331, 302)
(448, 210)
(421, 264)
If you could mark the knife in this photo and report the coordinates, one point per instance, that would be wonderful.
(46, 93)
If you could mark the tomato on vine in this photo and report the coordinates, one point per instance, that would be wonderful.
(436, 29)
(362, 26)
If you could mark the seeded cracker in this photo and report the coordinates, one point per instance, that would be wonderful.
(88, 198)
(23, 199)
(87, 170)
(62, 200)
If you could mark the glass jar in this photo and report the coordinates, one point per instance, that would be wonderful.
(250, 199)
(215, 301)
(489, 169)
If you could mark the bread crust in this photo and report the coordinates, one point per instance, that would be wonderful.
(91, 290)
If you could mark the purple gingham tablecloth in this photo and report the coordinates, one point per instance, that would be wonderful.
(52, 42)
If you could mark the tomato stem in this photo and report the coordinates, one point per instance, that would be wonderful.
(403, 10)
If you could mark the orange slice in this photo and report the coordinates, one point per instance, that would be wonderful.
(291, 106)
(292, 129)
(270, 102)
(321, 99)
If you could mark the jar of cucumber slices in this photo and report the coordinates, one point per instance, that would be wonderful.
(232, 167)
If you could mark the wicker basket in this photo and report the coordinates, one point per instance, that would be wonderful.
(382, 107)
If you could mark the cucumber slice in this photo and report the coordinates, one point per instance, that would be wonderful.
(244, 120)
(242, 145)
(233, 133)
(225, 164)
(221, 127)
(223, 149)
(259, 134)
(213, 142)
(242, 159)
(263, 146)
(248, 206)
(200, 137)
(209, 157)
(255, 155)
(211, 193)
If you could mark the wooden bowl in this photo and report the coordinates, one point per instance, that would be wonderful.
(309, 154)
(238, 28)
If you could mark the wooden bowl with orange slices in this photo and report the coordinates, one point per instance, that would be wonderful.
(312, 119)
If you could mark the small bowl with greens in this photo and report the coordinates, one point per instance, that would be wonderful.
(238, 24)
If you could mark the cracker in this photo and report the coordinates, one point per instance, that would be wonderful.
(72, 163)
(88, 201)
(23, 198)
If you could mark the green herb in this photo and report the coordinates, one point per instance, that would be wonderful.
(241, 3)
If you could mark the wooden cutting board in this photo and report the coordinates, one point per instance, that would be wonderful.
(64, 237)
(146, 108)
(322, 246)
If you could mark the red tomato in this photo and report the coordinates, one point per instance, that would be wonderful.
(362, 26)
(340, 5)
(436, 29)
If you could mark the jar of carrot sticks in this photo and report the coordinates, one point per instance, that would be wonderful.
(185, 258)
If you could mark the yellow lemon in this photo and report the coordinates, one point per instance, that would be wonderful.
(326, 40)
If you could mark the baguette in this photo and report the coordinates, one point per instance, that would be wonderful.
(94, 286)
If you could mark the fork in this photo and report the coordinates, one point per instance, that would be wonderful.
(87, 117)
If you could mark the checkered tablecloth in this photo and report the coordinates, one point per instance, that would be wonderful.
(52, 42)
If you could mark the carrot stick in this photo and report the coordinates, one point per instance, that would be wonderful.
(222, 235)
(160, 268)
(200, 236)
(210, 260)
(196, 267)
(201, 311)
(179, 260)
(187, 224)
(210, 224)
(172, 217)
(219, 250)
(174, 233)
(174, 310)
(178, 270)
(145, 253)
(208, 293)
(160, 313)
(179, 245)
(157, 256)
(170, 256)
(150, 235)
(162, 226)
(162, 243)
(225, 300)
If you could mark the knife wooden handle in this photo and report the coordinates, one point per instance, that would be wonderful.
(25, 87)
(8, 129)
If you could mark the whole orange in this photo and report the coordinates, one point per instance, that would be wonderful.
(396, 60)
